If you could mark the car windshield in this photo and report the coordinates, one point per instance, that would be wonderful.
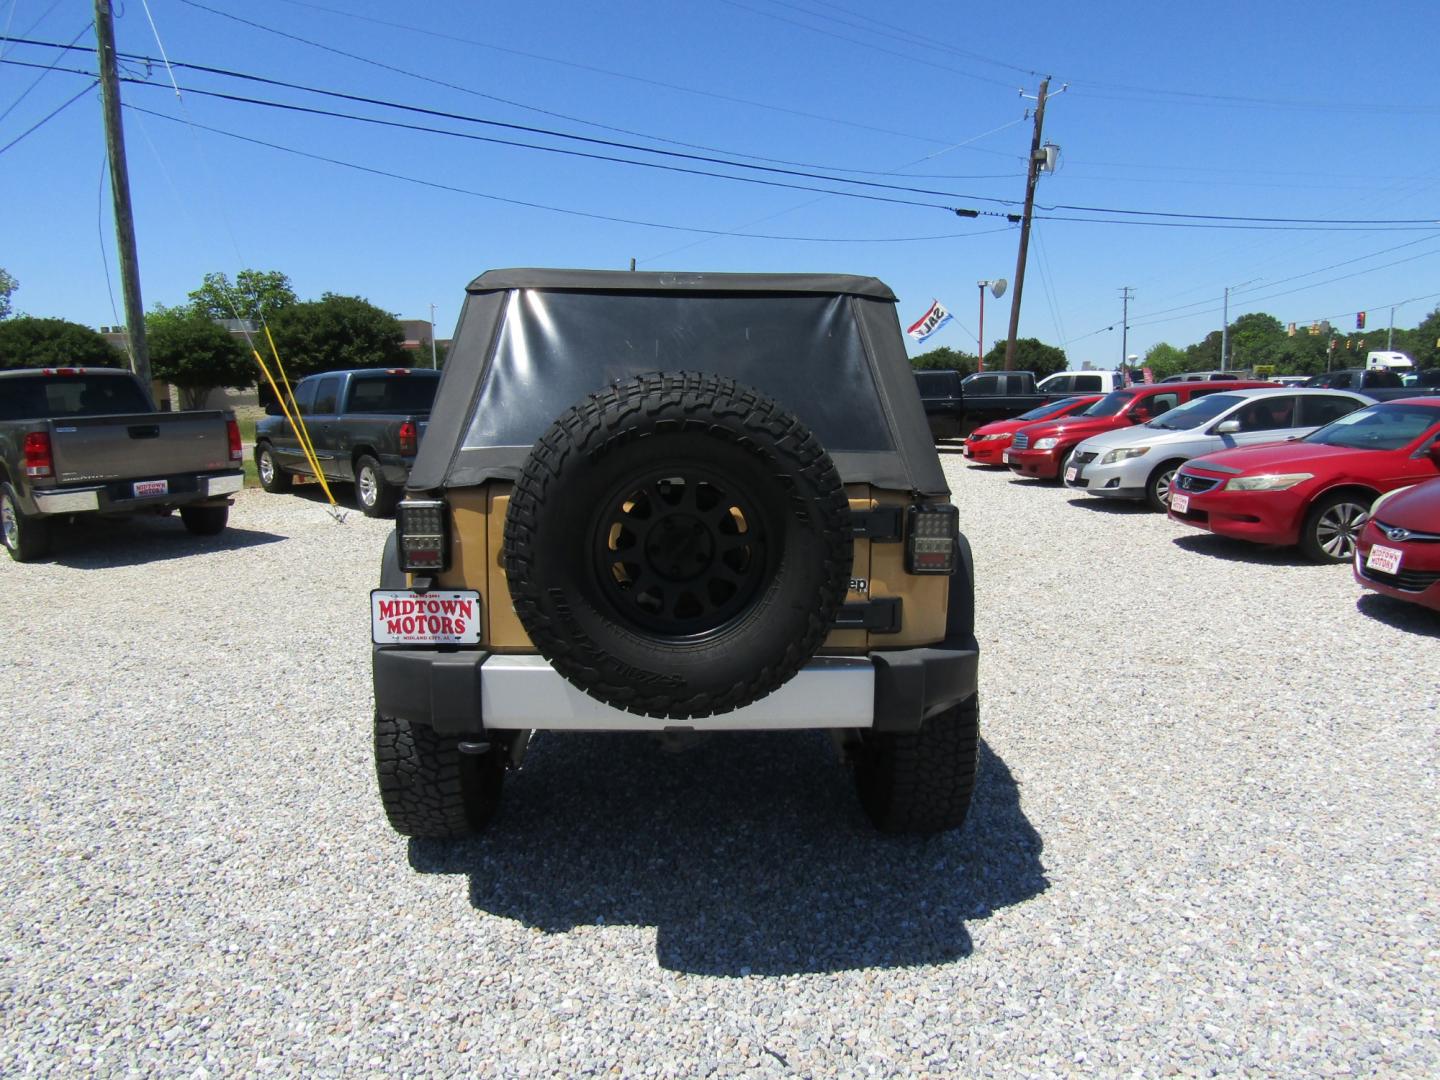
(30, 397)
(1380, 427)
(1111, 403)
(1195, 413)
(1052, 408)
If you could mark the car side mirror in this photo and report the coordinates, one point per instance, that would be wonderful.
(1227, 427)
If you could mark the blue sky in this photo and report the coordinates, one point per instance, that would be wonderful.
(1278, 110)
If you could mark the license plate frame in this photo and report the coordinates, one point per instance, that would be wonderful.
(1072, 474)
(437, 617)
(1005, 457)
(1179, 502)
(150, 489)
(1384, 559)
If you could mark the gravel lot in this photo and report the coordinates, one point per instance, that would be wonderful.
(1205, 839)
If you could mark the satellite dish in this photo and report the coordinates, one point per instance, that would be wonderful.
(997, 288)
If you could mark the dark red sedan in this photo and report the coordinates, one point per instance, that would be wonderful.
(986, 445)
(1316, 491)
(1398, 552)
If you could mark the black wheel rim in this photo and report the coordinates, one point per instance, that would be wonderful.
(681, 552)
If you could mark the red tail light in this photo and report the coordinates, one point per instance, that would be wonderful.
(237, 453)
(38, 460)
(408, 438)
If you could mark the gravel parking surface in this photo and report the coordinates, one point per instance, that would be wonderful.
(1204, 841)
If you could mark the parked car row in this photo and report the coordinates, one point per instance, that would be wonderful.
(1341, 476)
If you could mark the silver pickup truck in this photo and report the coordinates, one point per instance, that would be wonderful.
(87, 440)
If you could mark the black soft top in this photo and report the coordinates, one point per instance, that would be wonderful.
(533, 342)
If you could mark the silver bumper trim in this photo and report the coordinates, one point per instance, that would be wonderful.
(67, 502)
(224, 485)
(526, 693)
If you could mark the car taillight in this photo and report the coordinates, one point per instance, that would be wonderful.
(930, 538)
(409, 438)
(38, 459)
(424, 538)
(237, 452)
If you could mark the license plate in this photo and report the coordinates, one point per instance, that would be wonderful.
(1005, 457)
(1070, 474)
(1384, 559)
(1179, 503)
(144, 489)
(966, 450)
(401, 617)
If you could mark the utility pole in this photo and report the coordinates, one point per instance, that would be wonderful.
(1390, 335)
(1032, 175)
(1125, 296)
(1225, 329)
(433, 364)
(120, 191)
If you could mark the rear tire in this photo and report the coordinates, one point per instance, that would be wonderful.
(205, 520)
(1157, 487)
(1332, 525)
(428, 787)
(921, 782)
(376, 495)
(273, 478)
(25, 538)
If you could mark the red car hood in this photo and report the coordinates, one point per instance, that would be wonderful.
(1073, 425)
(1004, 427)
(1416, 508)
(1283, 457)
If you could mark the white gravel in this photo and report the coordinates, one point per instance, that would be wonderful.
(1205, 840)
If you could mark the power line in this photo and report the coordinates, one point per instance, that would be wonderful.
(49, 116)
(38, 78)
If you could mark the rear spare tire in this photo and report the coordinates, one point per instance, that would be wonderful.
(678, 545)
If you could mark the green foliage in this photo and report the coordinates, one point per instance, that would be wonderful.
(1031, 354)
(335, 333)
(1164, 359)
(30, 342)
(1254, 339)
(8, 285)
(195, 353)
(944, 359)
(254, 294)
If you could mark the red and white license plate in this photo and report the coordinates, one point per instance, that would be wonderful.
(1071, 474)
(145, 489)
(402, 617)
(1384, 559)
(1005, 457)
(1179, 503)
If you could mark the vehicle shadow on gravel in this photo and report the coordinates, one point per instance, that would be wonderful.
(1399, 614)
(97, 543)
(1120, 507)
(748, 854)
(1224, 547)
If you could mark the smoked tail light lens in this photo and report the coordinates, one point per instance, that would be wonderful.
(237, 452)
(38, 458)
(930, 539)
(424, 535)
(409, 438)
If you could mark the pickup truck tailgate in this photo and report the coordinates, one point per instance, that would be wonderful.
(98, 448)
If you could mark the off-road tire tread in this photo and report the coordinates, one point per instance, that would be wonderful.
(427, 787)
(921, 782)
(675, 402)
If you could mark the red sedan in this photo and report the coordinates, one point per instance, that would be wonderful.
(1398, 552)
(1316, 491)
(987, 444)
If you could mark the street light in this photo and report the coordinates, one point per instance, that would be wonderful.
(997, 288)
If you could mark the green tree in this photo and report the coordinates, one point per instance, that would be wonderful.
(254, 294)
(26, 341)
(337, 332)
(1204, 355)
(8, 285)
(944, 359)
(1031, 354)
(1164, 359)
(1254, 339)
(195, 353)
(1424, 341)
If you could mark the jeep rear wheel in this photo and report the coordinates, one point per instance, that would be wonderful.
(678, 545)
(428, 787)
(921, 782)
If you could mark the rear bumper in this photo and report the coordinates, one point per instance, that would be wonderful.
(467, 692)
(117, 497)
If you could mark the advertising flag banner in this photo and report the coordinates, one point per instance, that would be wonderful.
(931, 321)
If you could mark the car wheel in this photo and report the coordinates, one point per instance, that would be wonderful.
(1157, 488)
(921, 782)
(678, 545)
(273, 478)
(1332, 525)
(428, 787)
(376, 495)
(205, 520)
(26, 538)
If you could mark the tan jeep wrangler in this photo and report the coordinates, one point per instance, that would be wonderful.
(675, 503)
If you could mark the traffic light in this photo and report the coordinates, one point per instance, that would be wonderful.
(1360, 320)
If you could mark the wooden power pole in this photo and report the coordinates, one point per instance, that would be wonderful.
(120, 190)
(1031, 177)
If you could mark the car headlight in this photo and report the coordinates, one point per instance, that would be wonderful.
(987, 438)
(1124, 454)
(1269, 481)
(1044, 444)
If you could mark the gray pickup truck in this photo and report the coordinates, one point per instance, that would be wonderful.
(364, 426)
(89, 441)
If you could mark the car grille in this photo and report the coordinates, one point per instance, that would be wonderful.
(1194, 484)
(1085, 458)
(1022, 442)
(1405, 580)
(1408, 535)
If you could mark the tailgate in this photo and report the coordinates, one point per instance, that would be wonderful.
(97, 448)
